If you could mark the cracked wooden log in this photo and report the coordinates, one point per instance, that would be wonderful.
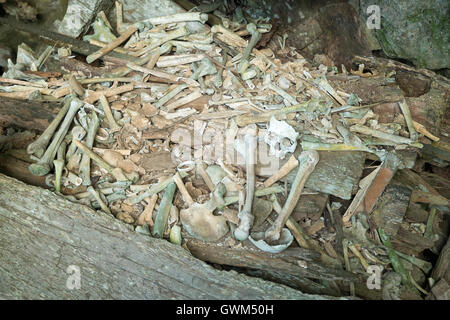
(391, 207)
(17, 168)
(42, 234)
(297, 263)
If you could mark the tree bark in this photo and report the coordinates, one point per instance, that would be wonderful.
(42, 234)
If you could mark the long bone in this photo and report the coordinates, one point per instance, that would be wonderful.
(178, 33)
(174, 18)
(43, 166)
(97, 197)
(108, 113)
(256, 36)
(77, 134)
(59, 165)
(245, 216)
(124, 70)
(85, 164)
(308, 160)
(37, 147)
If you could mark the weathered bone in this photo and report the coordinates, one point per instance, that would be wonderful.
(276, 136)
(384, 136)
(76, 86)
(227, 36)
(206, 68)
(112, 45)
(291, 100)
(308, 160)
(256, 36)
(59, 165)
(37, 147)
(85, 164)
(201, 169)
(43, 166)
(152, 189)
(245, 216)
(176, 60)
(284, 170)
(106, 108)
(162, 214)
(77, 134)
(178, 33)
(94, 157)
(176, 18)
(97, 197)
(186, 196)
(199, 221)
(154, 56)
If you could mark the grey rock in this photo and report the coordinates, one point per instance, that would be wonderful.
(5, 54)
(413, 30)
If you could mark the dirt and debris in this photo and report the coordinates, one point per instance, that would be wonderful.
(206, 138)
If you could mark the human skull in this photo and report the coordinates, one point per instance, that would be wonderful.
(281, 138)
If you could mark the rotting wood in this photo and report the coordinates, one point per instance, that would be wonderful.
(409, 242)
(388, 65)
(17, 168)
(247, 255)
(115, 262)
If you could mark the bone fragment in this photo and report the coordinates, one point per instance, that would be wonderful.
(307, 163)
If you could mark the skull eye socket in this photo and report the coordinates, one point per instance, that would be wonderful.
(286, 142)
